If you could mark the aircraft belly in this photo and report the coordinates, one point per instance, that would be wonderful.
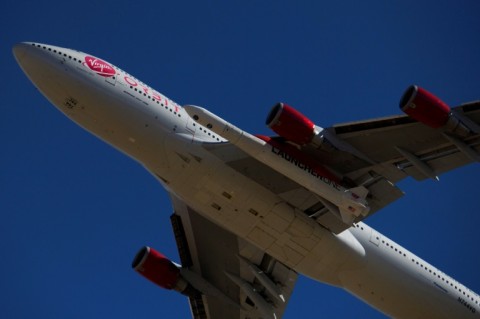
(415, 294)
(257, 215)
(351, 260)
(249, 210)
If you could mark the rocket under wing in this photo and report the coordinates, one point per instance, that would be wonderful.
(347, 203)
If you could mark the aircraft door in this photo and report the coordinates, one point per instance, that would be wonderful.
(191, 125)
(375, 237)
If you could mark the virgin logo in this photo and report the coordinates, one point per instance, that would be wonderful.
(99, 66)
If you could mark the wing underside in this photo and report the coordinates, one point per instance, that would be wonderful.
(400, 146)
(235, 279)
(380, 153)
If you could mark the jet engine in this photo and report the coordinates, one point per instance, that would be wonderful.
(424, 107)
(157, 268)
(297, 128)
(428, 109)
(290, 124)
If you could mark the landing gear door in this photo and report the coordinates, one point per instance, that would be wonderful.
(191, 126)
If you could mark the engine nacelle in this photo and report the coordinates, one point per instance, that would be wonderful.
(157, 268)
(424, 107)
(290, 124)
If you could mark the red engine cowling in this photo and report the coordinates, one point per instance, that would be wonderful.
(157, 268)
(424, 107)
(290, 124)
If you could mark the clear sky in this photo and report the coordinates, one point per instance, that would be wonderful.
(74, 211)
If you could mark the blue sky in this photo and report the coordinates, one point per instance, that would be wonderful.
(74, 211)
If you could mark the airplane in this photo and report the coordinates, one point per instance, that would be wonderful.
(252, 212)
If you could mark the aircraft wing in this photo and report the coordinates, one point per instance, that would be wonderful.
(374, 154)
(394, 144)
(235, 279)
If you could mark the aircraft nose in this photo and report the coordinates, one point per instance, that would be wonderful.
(35, 60)
(28, 56)
(19, 51)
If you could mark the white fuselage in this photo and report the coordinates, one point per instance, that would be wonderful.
(159, 134)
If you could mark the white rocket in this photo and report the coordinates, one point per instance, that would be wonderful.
(345, 203)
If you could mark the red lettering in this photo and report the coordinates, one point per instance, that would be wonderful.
(130, 81)
(156, 96)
